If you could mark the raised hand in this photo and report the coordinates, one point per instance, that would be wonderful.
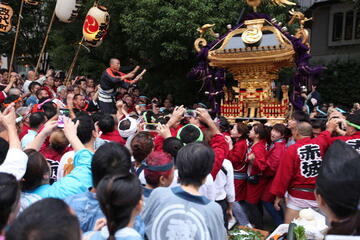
(8, 117)
(164, 131)
(49, 127)
(70, 128)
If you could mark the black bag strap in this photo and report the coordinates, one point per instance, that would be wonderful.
(224, 170)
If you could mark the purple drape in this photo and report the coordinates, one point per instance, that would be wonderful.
(214, 78)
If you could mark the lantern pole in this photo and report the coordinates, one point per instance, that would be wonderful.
(45, 42)
(72, 66)
(16, 36)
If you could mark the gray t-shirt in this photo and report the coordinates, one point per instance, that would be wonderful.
(172, 213)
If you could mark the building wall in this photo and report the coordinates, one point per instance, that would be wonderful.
(308, 3)
(322, 49)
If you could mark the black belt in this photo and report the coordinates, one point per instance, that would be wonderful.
(310, 190)
(240, 176)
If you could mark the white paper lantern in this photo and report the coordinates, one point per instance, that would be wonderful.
(96, 25)
(67, 10)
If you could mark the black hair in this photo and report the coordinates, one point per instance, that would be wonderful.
(280, 128)
(224, 124)
(300, 116)
(107, 123)
(11, 98)
(4, 147)
(338, 185)
(78, 82)
(110, 158)
(85, 128)
(318, 124)
(76, 96)
(162, 119)
(36, 168)
(35, 222)
(172, 146)
(37, 93)
(125, 124)
(10, 193)
(148, 115)
(49, 110)
(288, 134)
(189, 134)
(242, 129)
(36, 119)
(194, 162)
(32, 85)
(96, 116)
(118, 195)
(141, 145)
(261, 130)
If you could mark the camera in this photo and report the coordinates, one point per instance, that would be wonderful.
(150, 127)
(254, 179)
(190, 113)
(63, 114)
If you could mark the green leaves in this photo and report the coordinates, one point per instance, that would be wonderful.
(157, 34)
(340, 83)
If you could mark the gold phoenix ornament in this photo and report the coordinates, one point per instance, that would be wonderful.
(301, 32)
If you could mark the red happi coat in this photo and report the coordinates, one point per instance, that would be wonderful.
(299, 167)
(353, 140)
(272, 160)
(113, 136)
(221, 150)
(237, 156)
(255, 191)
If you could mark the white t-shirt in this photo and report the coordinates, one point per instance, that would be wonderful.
(26, 86)
(224, 183)
(67, 158)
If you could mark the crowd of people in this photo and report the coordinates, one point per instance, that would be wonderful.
(89, 159)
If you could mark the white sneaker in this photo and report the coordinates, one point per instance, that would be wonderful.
(231, 223)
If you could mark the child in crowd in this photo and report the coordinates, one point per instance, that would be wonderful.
(120, 199)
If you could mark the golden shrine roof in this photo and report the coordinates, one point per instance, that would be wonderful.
(256, 41)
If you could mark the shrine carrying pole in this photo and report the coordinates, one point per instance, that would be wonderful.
(45, 42)
(72, 66)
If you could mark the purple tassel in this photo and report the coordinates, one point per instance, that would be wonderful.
(214, 78)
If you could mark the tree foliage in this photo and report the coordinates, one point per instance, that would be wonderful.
(33, 27)
(156, 34)
(339, 83)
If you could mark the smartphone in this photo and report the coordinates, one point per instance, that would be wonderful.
(150, 127)
(63, 114)
(190, 113)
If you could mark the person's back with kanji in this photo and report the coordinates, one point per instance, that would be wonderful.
(298, 170)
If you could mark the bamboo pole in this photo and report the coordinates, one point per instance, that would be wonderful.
(16, 36)
(72, 66)
(45, 42)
